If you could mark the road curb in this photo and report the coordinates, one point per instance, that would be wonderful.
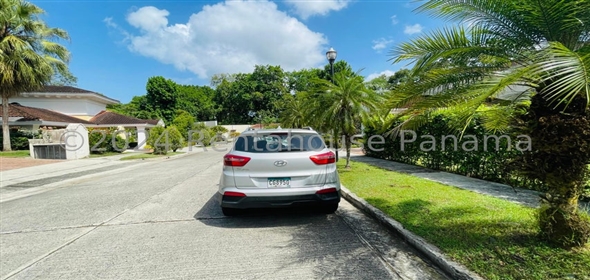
(434, 254)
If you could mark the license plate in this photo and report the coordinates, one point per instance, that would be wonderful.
(279, 182)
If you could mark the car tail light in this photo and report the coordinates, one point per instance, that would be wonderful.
(234, 194)
(233, 160)
(325, 191)
(325, 158)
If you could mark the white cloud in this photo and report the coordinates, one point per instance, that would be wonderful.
(381, 44)
(375, 75)
(413, 29)
(394, 20)
(228, 37)
(148, 18)
(110, 23)
(307, 8)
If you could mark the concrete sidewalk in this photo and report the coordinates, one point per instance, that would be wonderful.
(521, 196)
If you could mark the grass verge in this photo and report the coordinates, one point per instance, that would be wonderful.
(104, 154)
(15, 154)
(492, 237)
(149, 155)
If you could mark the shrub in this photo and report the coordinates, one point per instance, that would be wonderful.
(490, 165)
(106, 140)
(219, 129)
(234, 134)
(158, 140)
(271, 126)
(175, 137)
(19, 139)
(202, 135)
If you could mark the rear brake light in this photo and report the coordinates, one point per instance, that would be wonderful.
(325, 191)
(325, 158)
(233, 160)
(236, 194)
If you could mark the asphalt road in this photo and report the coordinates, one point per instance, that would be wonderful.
(158, 220)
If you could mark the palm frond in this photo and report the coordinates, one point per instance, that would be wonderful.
(566, 74)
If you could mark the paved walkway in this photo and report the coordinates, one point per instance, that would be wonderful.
(521, 196)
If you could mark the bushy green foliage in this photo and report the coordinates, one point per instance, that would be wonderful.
(159, 140)
(106, 140)
(183, 122)
(219, 129)
(200, 135)
(175, 137)
(490, 164)
(19, 139)
(234, 134)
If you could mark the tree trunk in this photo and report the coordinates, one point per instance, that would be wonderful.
(5, 128)
(336, 139)
(347, 144)
(559, 157)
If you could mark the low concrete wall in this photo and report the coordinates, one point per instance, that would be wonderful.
(237, 127)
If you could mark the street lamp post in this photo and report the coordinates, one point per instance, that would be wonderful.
(331, 56)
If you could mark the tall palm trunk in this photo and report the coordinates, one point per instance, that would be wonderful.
(5, 128)
(348, 145)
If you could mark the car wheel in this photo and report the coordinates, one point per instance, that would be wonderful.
(229, 211)
(329, 209)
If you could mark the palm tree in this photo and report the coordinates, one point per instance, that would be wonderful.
(342, 107)
(294, 113)
(537, 55)
(29, 58)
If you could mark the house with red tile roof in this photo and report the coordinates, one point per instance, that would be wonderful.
(112, 119)
(31, 118)
(72, 101)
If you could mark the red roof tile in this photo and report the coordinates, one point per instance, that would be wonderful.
(16, 110)
(106, 117)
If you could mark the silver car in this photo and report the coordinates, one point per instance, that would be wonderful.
(279, 168)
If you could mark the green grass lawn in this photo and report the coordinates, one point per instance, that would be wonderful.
(104, 154)
(15, 154)
(492, 237)
(148, 155)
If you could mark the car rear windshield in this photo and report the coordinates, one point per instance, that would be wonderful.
(279, 142)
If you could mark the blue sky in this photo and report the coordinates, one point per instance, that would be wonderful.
(117, 45)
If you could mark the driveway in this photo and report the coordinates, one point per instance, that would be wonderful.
(158, 220)
(7, 163)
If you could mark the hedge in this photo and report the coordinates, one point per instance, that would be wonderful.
(19, 139)
(490, 165)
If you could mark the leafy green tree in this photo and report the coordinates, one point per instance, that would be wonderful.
(399, 77)
(138, 107)
(527, 56)
(184, 122)
(159, 140)
(175, 137)
(343, 106)
(29, 54)
(161, 97)
(198, 101)
(379, 84)
(234, 97)
(340, 66)
(302, 80)
(294, 112)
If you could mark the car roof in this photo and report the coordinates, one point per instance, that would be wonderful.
(281, 130)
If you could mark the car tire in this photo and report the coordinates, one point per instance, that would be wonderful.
(229, 211)
(328, 209)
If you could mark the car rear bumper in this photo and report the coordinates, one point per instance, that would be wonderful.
(278, 201)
